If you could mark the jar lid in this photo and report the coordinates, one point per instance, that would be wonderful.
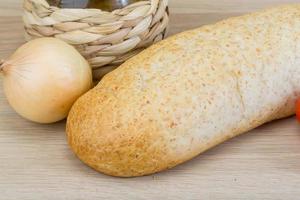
(108, 5)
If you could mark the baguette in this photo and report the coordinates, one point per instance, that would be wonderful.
(190, 92)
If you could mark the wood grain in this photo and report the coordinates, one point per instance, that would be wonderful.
(223, 6)
(36, 162)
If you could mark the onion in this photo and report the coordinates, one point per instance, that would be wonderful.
(43, 79)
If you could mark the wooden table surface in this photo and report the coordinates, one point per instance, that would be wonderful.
(36, 162)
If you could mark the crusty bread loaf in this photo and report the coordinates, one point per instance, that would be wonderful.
(189, 93)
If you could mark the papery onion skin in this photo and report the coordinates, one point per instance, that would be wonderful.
(43, 79)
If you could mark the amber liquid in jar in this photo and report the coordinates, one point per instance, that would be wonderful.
(107, 5)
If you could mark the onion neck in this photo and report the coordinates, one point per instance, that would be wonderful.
(1, 66)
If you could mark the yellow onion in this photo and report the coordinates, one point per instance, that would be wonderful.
(43, 79)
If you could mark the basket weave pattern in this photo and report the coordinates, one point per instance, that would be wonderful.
(105, 39)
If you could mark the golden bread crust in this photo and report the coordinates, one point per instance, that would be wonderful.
(189, 93)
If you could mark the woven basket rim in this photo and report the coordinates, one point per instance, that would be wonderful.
(104, 38)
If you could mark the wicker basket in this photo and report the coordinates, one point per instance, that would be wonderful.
(105, 39)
